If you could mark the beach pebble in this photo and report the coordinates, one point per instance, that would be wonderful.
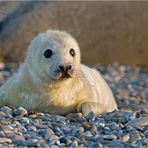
(20, 111)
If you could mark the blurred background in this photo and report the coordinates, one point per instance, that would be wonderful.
(107, 32)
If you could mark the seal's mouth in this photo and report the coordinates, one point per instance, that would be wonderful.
(65, 76)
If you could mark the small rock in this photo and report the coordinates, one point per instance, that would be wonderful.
(31, 128)
(125, 138)
(86, 134)
(6, 109)
(138, 122)
(73, 144)
(53, 139)
(32, 116)
(58, 130)
(74, 115)
(146, 141)
(5, 140)
(31, 142)
(19, 140)
(2, 114)
(25, 120)
(2, 134)
(45, 132)
(35, 135)
(91, 117)
(20, 111)
(65, 140)
(109, 137)
(134, 136)
(101, 124)
(86, 125)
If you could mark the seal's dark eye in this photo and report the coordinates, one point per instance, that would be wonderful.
(72, 52)
(48, 53)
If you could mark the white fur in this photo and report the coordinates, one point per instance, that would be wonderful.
(37, 86)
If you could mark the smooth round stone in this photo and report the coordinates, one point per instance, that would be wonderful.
(27, 136)
(19, 140)
(16, 124)
(20, 111)
(53, 139)
(45, 132)
(65, 140)
(6, 109)
(5, 140)
(134, 136)
(31, 128)
(125, 138)
(39, 126)
(86, 125)
(25, 120)
(58, 130)
(2, 134)
(101, 124)
(146, 141)
(73, 144)
(91, 117)
(57, 118)
(86, 134)
(31, 142)
(74, 115)
(2, 114)
(35, 135)
(45, 145)
(114, 126)
(5, 122)
(32, 116)
(77, 131)
(109, 137)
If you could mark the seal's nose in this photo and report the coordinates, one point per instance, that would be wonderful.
(65, 68)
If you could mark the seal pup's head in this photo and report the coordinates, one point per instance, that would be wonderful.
(53, 55)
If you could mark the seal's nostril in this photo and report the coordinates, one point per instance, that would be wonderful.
(69, 67)
(61, 67)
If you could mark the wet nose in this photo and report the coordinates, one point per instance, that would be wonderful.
(65, 68)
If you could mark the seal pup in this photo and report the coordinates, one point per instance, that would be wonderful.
(53, 80)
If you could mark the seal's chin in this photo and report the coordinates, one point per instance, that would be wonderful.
(61, 76)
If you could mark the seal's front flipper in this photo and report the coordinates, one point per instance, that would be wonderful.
(87, 107)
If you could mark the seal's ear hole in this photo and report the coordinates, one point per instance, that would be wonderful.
(48, 53)
(72, 52)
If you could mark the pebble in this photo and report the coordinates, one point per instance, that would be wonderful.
(5, 140)
(45, 132)
(125, 127)
(138, 122)
(31, 128)
(20, 111)
(86, 125)
(125, 138)
(18, 139)
(109, 137)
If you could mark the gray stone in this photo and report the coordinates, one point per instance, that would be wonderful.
(31, 128)
(20, 111)
(53, 139)
(19, 140)
(45, 132)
